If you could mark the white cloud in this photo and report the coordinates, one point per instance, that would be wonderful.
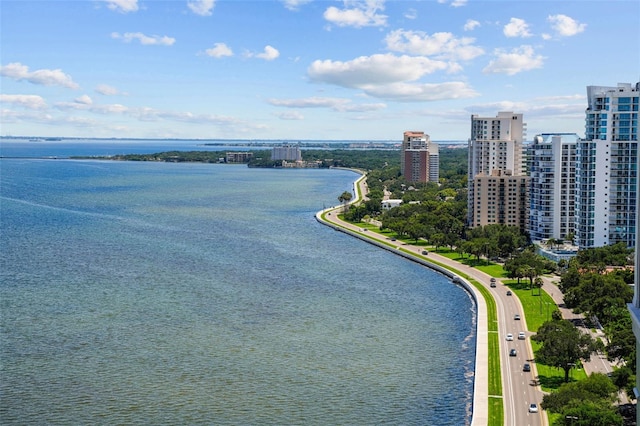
(219, 50)
(454, 3)
(361, 107)
(517, 28)
(123, 6)
(518, 60)
(358, 14)
(45, 77)
(202, 7)
(454, 68)
(336, 104)
(491, 107)
(105, 89)
(471, 25)
(565, 26)
(441, 45)
(576, 97)
(290, 115)
(405, 92)
(531, 108)
(312, 102)
(558, 110)
(152, 115)
(110, 109)
(269, 54)
(67, 106)
(372, 70)
(25, 101)
(84, 100)
(79, 121)
(294, 4)
(85, 103)
(144, 39)
(390, 77)
(411, 14)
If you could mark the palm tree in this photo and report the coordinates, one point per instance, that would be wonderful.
(344, 198)
(538, 283)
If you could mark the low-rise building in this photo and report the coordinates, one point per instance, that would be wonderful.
(238, 157)
(390, 203)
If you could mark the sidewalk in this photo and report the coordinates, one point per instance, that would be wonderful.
(598, 362)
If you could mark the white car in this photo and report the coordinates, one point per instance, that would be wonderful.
(522, 336)
(509, 337)
(533, 408)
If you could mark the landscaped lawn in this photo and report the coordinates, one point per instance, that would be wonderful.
(538, 308)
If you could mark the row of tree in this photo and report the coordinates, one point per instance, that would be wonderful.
(601, 293)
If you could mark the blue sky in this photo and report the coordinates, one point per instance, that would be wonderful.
(306, 69)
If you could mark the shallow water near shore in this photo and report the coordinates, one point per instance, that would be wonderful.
(153, 293)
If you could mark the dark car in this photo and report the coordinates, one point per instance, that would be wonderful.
(492, 285)
(526, 367)
(508, 292)
(516, 317)
(513, 352)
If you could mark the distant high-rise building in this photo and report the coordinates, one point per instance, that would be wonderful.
(287, 152)
(497, 186)
(552, 170)
(607, 167)
(420, 158)
(434, 162)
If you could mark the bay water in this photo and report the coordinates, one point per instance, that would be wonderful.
(161, 293)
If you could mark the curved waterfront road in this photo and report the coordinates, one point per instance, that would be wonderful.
(519, 387)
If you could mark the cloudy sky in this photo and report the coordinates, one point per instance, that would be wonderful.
(306, 69)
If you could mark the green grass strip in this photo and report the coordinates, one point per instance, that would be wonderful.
(496, 412)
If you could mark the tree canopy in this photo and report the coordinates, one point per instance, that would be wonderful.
(587, 402)
(564, 345)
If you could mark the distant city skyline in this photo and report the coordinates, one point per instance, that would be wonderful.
(306, 69)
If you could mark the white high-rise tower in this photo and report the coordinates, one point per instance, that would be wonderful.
(607, 167)
(552, 169)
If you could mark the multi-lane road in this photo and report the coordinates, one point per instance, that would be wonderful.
(519, 387)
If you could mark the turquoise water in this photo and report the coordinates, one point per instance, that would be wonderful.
(147, 293)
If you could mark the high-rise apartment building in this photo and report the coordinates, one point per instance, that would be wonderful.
(420, 158)
(607, 167)
(634, 309)
(551, 158)
(434, 162)
(497, 186)
(501, 198)
(287, 152)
